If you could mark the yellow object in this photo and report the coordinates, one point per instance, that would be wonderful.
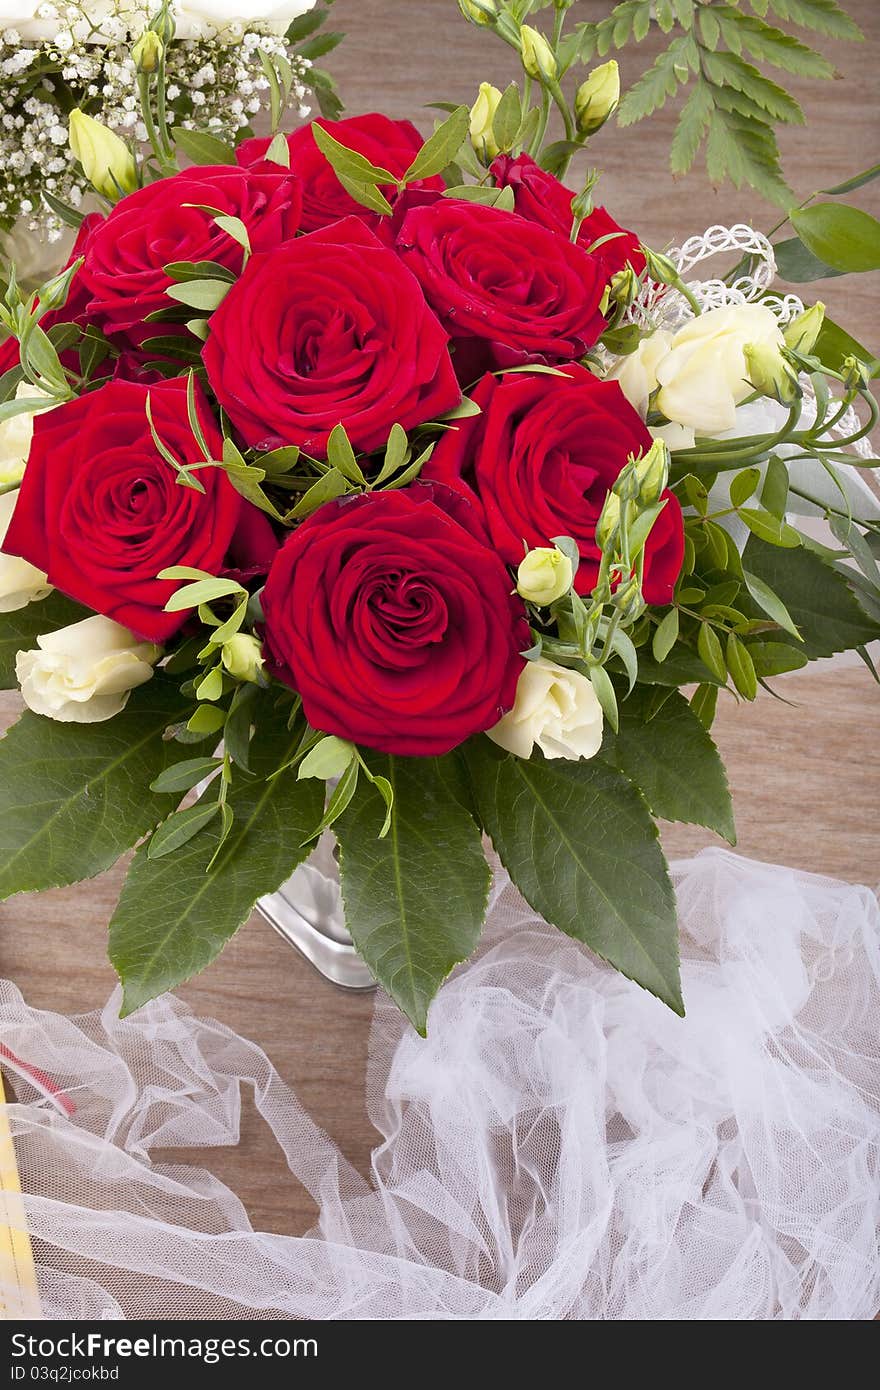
(19, 1296)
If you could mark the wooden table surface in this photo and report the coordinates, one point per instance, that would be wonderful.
(804, 779)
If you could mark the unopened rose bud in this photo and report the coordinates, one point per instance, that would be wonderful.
(609, 521)
(479, 11)
(597, 97)
(147, 52)
(107, 163)
(544, 576)
(243, 658)
(801, 334)
(652, 472)
(768, 372)
(624, 286)
(856, 375)
(660, 268)
(626, 485)
(628, 598)
(537, 55)
(53, 294)
(482, 116)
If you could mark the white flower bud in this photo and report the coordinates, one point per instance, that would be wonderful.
(537, 55)
(107, 162)
(243, 658)
(544, 575)
(597, 97)
(482, 116)
(801, 334)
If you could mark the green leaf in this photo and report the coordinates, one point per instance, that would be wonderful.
(857, 180)
(823, 16)
(340, 455)
(710, 651)
(441, 148)
(199, 294)
(348, 162)
(73, 800)
(769, 527)
(770, 45)
(704, 702)
(681, 667)
(329, 758)
(202, 148)
(798, 265)
(181, 827)
(673, 762)
(741, 667)
(508, 118)
(19, 630)
(743, 485)
(818, 599)
(202, 591)
(181, 777)
(581, 847)
(770, 603)
(176, 913)
(414, 901)
(774, 658)
(844, 237)
(666, 636)
(774, 493)
(654, 87)
(605, 692)
(329, 486)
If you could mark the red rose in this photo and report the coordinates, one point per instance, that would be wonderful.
(541, 458)
(329, 328)
(394, 623)
(78, 299)
(542, 198)
(391, 145)
(101, 512)
(508, 290)
(166, 222)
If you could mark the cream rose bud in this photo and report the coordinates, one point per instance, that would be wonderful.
(703, 376)
(84, 673)
(20, 582)
(637, 373)
(544, 575)
(107, 162)
(482, 116)
(16, 436)
(554, 708)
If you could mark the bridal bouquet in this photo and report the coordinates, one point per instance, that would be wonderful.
(220, 65)
(389, 485)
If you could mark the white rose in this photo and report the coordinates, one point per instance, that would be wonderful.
(24, 17)
(703, 377)
(84, 673)
(701, 369)
(20, 582)
(16, 436)
(637, 372)
(196, 18)
(554, 708)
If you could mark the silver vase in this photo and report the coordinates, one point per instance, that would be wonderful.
(308, 912)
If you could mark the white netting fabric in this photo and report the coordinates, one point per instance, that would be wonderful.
(561, 1146)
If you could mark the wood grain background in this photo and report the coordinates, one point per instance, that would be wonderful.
(804, 779)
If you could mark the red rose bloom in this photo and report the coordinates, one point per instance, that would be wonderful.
(542, 198)
(508, 290)
(395, 623)
(329, 328)
(391, 145)
(541, 458)
(101, 512)
(166, 221)
(78, 299)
